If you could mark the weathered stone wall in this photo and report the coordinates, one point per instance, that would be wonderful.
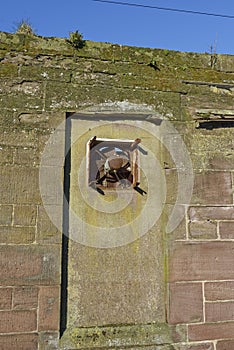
(41, 79)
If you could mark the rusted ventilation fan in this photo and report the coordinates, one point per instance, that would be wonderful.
(113, 164)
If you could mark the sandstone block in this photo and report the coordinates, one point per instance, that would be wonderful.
(19, 341)
(211, 331)
(48, 340)
(6, 155)
(226, 229)
(25, 155)
(41, 73)
(212, 188)
(204, 97)
(22, 101)
(8, 70)
(104, 291)
(5, 298)
(25, 215)
(220, 311)
(203, 230)
(219, 290)
(16, 137)
(201, 261)
(17, 234)
(211, 213)
(186, 303)
(6, 214)
(30, 88)
(25, 298)
(19, 185)
(205, 346)
(225, 345)
(49, 308)
(18, 321)
(116, 303)
(24, 265)
(42, 120)
(157, 336)
(220, 161)
(226, 63)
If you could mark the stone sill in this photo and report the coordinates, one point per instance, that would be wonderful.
(114, 337)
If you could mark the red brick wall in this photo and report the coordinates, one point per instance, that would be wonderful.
(29, 296)
(201, 266)
(29, 255)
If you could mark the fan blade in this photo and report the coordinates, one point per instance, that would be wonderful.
(100, 181)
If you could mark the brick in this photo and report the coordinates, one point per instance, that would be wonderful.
(203, 142)
(179, 333)
(28, 88)
(204, 97)
(19, 342)
(212, 187)
(221, 161)
(19, 185)
(226, 229)
(25, 298)
(211, 331)
(220, 311)
(226, 63)
(225, 345)
(24, 265)
(212, 161)
(6, 214)
(18, 137)
(49, 341)
(159, 347)
(25, 155)
(8, 70)
(17, 235)
(42, 120)
(39, 73)
(49, 308)
(211, 213)
(186, 303)
(6, 86)
(25, 215)
(219, 290)
(5, 298)
(64, 96)
(18, 321)
(6, 155)
(22, 101)
(88, 78)
(195, 261)
(205, 346)
(203, 230)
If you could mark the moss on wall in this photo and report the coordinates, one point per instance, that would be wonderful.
(41, 79)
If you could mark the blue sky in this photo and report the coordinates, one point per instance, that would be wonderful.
(129, 25)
